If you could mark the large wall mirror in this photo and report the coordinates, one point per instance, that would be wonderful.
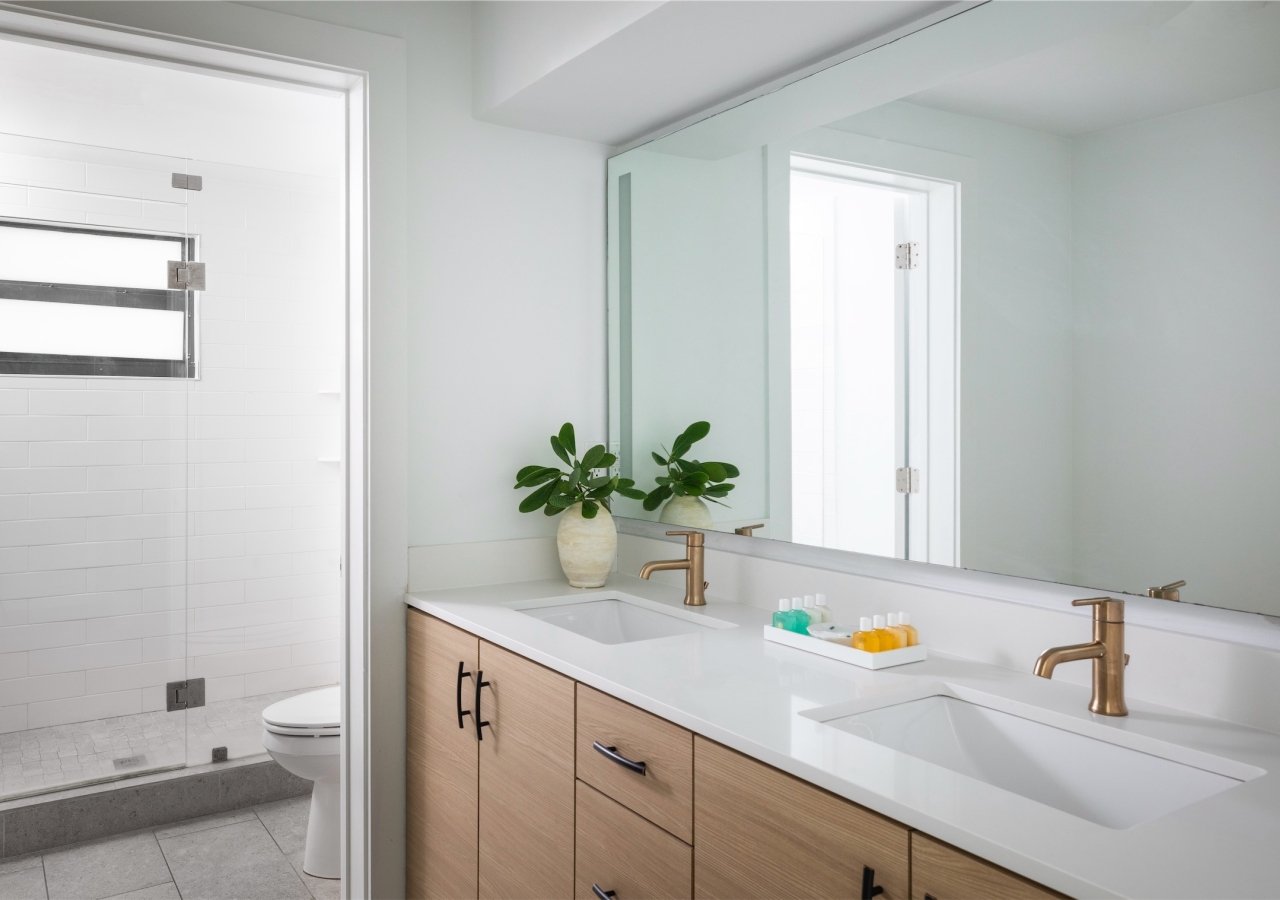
(1003, 294)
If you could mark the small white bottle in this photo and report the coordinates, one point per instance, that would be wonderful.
(811, 610)
(820, 607)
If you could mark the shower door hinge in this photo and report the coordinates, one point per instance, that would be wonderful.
(186, 276)
(907, 256)
(187, 182)
(908, 480)
(184, 694)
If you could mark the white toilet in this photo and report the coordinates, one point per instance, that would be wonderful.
(301, 733)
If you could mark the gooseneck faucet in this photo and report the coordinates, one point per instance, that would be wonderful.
(1107, 652)
(694, 587)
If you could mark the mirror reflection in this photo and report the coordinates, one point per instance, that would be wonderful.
(1020, 319)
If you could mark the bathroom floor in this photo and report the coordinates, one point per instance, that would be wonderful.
(57, 756)
(249, 854)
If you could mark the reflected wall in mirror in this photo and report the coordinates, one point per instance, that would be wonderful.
(1000, 295)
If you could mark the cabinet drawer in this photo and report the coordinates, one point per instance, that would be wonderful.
(663, 794)
(941, 872)
(619, 851)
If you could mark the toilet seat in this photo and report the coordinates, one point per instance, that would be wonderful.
(313, 714)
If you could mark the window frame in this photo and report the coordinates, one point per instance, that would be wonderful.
(63, 365)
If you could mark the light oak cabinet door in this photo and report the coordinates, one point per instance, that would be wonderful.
(526, 778)
(622, 852)
(759, 832)
(441, 762)
(941, 872)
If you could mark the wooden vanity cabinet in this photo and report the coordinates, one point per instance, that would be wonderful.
(759, 832)
(941, 872)
(490, 781)
(492, 798)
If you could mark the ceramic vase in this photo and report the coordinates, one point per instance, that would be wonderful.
(587, 547)
(690, 511)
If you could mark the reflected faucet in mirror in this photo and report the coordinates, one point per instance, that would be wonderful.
(1107, 652)
(1171, 591)
(694, 587)
(747, 530)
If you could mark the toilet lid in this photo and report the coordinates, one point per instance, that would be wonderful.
(312, 710)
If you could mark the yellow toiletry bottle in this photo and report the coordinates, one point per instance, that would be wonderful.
(888, 640)
(913, 636)
(864, 638)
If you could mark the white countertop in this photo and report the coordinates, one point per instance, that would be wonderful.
(731, 686)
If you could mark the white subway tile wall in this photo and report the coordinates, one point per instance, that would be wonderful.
(153, 529)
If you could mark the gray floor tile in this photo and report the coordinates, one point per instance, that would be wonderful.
(234, 862)
(167, 891)
(217, 820)
(22, 862)
(320, 888)
(105, 868)
(286, 820)
(23, 884)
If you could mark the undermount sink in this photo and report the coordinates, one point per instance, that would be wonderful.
(1089, 775)
(618, 618)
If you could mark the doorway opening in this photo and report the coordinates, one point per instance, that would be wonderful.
(873, 332)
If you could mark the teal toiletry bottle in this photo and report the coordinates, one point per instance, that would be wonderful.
(799, 622)
(782, 618)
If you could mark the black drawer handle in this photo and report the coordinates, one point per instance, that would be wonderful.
(602, 893)
(635, 765)
(480, 723)
(462, 713)
(930, 897)
(869, 887)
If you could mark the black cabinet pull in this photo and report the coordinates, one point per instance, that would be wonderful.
(930, 897)
(635, 765)
(602, 893)
(869, 887)
(462, 713)
(480, 723)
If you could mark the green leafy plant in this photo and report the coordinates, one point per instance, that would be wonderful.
(556, 490)
(690, 477)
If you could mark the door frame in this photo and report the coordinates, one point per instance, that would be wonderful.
(210, 41)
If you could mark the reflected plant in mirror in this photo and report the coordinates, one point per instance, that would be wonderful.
(976, 309)
(689, 482)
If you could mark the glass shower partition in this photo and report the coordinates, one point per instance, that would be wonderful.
(99, 280)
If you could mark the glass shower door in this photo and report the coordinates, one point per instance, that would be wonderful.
(98, 338)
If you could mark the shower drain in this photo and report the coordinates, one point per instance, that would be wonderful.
(130, 762)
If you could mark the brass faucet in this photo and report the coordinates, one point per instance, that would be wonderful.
(1171, 591)
(747, 530)
(1107, 652)
(694, 587)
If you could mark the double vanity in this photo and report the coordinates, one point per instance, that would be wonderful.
(618, 741)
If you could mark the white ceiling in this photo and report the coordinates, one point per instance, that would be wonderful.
(1186, 55)
(655, 66)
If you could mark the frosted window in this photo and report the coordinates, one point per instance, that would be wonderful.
(86, 302)
(73, 329)
(70, 257)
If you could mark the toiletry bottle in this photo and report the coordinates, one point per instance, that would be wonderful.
(898, 631)
(820, 606)
(913, 636)
(865, 638)
(783, 615)
(888, 640)
(810, 610)
(799, 621)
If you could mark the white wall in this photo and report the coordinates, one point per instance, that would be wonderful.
(1175, 430)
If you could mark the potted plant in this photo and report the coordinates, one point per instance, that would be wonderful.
(689, 482)
(586, 538)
